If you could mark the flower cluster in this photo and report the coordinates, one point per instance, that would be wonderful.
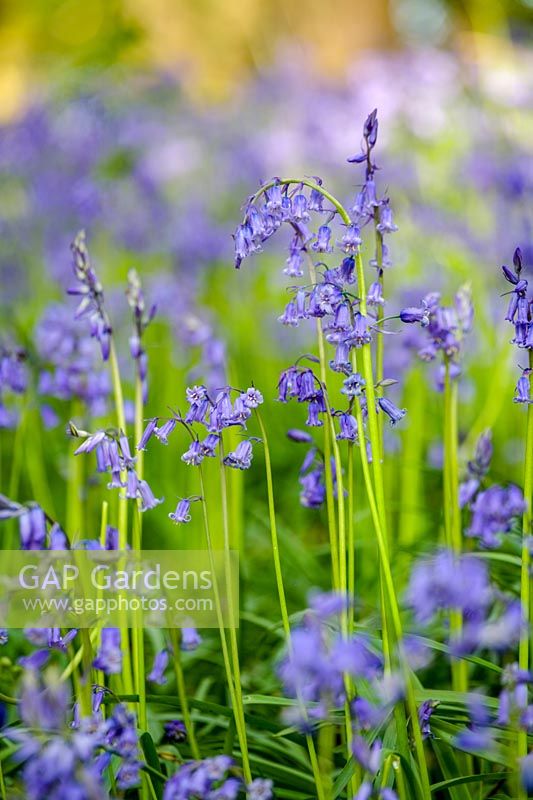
(37, 531)
(477, 468)
(214, 415)
(444, 327)
(59, 760)
(513, 705)
(449, 582)
(13, 380)
(320, 658)
(345, 320)
(520, 315)
(493, 509)
(213, 778)
(70, 370)
(368, 207)
(119, 734)
(113, 456)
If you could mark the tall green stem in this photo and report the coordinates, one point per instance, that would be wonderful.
(328, 470)
(281, 592)
(397, 627)
(525, 576)
(138, 633)
(122, 513)
(182, 695)
(452, 512)
(237, 707)
(234, 646)
(379, 336)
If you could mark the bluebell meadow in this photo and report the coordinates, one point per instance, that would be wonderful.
(369, 663)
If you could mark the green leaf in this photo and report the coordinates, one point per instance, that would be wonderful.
(481, 777)
(450, 769)
(150, 754)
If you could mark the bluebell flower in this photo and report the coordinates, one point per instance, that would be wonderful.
(294, 261)
(425, 712)
(288, 384)
(374, 295)
(157, 673)
(364, 792)
(190, 639)
(340, 325)
(479, 735)
(299, 208)
(347, 270)
(146, 496)
(194, 455)
(260, 789)
(394, 413)
(162, 433)
(175, 731)
(354, 385)
(203, 780)
(182, 512)
(322, 244)
(367, 715)
(243, 238)
(445, 328)
(290, 315)
(58, 761)
(252, 398)
(109, 655)
(360, 333)
(301, 437)
(483, 455)
(386, 222)
(313, 492)
(314, 409)
(523, 388)
(448, 581)
(513, 698)
(128, 775)
(493, 511)
(351, 238)
(467, 491)
(32, 528)
(348, 427)
(273, 197)
(241, 457)
(119, 732)
(415, 314)
(13, 370)
(209, 445)
(148, 432)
